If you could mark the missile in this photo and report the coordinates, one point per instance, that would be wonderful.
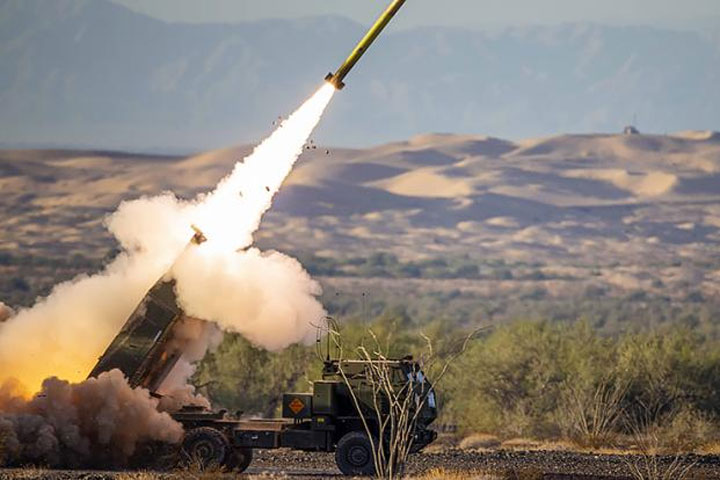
(336, 79)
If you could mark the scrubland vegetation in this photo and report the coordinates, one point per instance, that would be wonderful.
(527, 379)
(592, 368)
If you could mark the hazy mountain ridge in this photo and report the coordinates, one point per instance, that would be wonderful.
(94, 73)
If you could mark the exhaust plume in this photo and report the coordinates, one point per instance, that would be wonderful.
(267, 297)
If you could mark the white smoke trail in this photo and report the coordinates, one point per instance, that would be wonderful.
(268, 298)
(231, 213)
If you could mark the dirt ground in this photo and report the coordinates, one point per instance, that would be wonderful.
(490, 465)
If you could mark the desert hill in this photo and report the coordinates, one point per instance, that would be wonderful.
(624, 212)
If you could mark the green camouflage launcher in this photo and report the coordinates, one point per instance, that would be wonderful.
(336, 79)
(141, 349)
(329, 418)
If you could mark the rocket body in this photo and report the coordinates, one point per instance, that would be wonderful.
(336, 79)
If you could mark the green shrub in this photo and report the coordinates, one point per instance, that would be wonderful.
(240, 376)
(543, 379)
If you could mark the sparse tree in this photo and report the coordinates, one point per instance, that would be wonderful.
(655, 461)
(397, 401)
(593, 414)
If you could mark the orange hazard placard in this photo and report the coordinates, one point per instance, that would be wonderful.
(296, 405)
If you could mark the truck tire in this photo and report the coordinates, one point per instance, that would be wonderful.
(239, 459)
(354, 454)
(157, 456)
(205, 447)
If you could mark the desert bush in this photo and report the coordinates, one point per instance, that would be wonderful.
(668, 371)
(240, 376)
(657, 458)
(516, 382)
(540, 379)
(537, 379)
(590, 415)
(396, 403)
(507, 383)
(689, 430)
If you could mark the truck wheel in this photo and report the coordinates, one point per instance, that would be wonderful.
(205, 447)
(239, 459)
(354, 454)
(154, 456)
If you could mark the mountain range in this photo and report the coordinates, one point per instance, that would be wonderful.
(93, 73)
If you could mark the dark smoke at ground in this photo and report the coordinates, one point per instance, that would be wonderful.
(98, 422)
(101, 422)
(5, 312)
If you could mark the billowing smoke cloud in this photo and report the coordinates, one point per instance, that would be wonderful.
(267, 297)
(260, 295)
(192, 338)
(97, 422)
(64, 334)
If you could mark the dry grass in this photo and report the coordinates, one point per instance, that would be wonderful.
(660, 456)
(525, 474)
(140, 476)
(531, 444)
(480, 441)
(441, 474)
(689, 431)
(444, 442)
(651, 466)
(196, 470)
(28, 473)
(189, 475)
(710, 448)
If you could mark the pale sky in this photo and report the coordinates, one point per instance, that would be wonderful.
(468, 13)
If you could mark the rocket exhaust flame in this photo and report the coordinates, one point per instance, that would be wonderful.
(267, 297)
(255, 180)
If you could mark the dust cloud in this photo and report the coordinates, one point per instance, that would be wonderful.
(96, 422)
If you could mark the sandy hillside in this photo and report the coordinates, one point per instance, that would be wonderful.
(639, 211)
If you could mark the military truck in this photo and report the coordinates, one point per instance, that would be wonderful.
(325, 419)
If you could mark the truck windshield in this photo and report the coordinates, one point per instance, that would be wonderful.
(419, 378)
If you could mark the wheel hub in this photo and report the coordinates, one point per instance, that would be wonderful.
(204, 450)
(358, 455)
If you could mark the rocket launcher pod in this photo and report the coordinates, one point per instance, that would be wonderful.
(142, 349)
(336, 79)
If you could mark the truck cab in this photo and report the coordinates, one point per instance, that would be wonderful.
(328, 418)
